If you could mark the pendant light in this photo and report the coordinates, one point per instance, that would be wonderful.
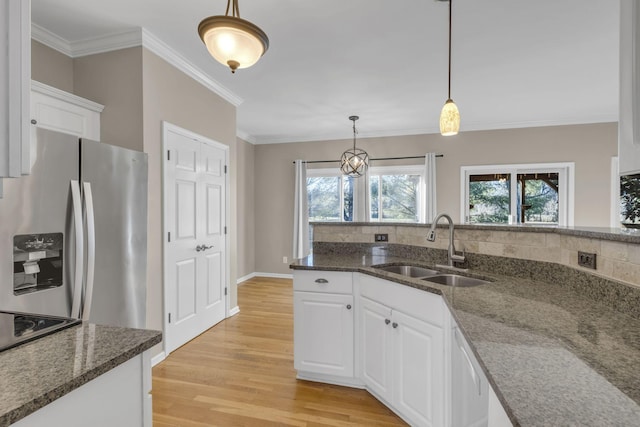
(233, 41)
(354, 162)
(450, 116)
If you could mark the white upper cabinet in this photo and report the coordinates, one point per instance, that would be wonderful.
(64, 112)
(629, 123)
(15, 79)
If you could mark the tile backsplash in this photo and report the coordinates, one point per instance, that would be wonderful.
(618, 260)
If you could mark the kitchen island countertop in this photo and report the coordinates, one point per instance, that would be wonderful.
(553, 355)
(39, 372)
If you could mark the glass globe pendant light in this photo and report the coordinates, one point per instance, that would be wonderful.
(233, 41)
(449, 116)
(354, 162)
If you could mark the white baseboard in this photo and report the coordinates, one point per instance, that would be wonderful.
(158, 358)
(274, 275)
(258, 274)
(235, 310)
(245, 278)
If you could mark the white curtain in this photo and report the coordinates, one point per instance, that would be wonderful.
(430, 183)
(361, 201)
(300, 212)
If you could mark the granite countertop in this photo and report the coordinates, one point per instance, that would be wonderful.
(37, 373)
(554, 356)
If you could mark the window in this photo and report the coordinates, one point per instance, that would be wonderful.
(330, 195)
(396, 194)
(518, 194)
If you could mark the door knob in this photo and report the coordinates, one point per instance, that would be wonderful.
(395, 325)
(203, 248)
(387, 321)
(348, 306)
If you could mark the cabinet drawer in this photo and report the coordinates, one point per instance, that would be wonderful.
(336, 282)
(414, 302)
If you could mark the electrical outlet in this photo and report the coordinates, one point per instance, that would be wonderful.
(587, 260)
(381, 237)
(285, 260)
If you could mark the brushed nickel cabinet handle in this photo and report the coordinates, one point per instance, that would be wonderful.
(395, 325)
(322, 281)
(387, 321)
(348, 306)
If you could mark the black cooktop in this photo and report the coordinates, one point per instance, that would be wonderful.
(19, 328)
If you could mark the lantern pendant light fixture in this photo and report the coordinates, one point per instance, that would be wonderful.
(354, 162)
(450, 116)
(233, 41)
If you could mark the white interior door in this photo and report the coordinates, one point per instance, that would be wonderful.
(195, 241)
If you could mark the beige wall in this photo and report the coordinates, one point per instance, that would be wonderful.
(114, 79)
(170, 95)
(246, 208)
(51, 67)
(589, 146)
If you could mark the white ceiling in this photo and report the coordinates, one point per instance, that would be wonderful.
(516, 63)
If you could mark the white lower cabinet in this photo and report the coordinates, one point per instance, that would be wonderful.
(323, 314)
(399, 343)
(402, 349)
(120, 397)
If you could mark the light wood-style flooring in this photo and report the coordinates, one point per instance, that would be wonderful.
(240, 373)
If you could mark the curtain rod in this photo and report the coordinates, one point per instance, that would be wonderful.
(379, 158)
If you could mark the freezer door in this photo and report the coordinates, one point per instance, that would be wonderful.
(118, 181)
(40, 203)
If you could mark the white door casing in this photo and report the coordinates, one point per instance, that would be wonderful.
(195, 244)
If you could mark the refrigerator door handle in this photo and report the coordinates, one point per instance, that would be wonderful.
(91, 249)
(79, 264)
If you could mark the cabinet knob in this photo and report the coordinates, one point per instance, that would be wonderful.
(34, 122)
(348, 306)
(387, 321)
(395, 325)
(322, 281)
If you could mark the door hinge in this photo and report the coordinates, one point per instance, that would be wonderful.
(168, 154)
(169, 317)
(225, 291)
(169, 236)
(225, 168)
(225, 229)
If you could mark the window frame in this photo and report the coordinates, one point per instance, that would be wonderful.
(400, 170)
(331, 173)
(566, 187)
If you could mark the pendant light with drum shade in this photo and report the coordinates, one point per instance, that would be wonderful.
(354, 162)
(450, 116)
(233, 41)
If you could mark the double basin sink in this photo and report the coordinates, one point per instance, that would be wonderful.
(432, 275)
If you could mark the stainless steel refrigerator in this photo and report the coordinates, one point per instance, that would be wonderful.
(73, 233)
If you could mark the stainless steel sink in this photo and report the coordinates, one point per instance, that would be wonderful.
(408, 270)
(456, 280)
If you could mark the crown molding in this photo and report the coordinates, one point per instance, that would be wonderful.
(67, 97)
(155, 45)
(133, 38)
(246, 137)
(107, 43)
(466, 127)
(47, 38)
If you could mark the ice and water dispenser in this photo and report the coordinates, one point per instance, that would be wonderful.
(37, 262)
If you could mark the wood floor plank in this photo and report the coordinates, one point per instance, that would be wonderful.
(240, 373)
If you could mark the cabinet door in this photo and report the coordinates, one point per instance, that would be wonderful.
(323, 333)
(376, 347)
(418, 370)
(15, 79)
(469, 386)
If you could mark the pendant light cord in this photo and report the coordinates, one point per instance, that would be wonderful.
(235, 10)
(354, 135)
(450, 4)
